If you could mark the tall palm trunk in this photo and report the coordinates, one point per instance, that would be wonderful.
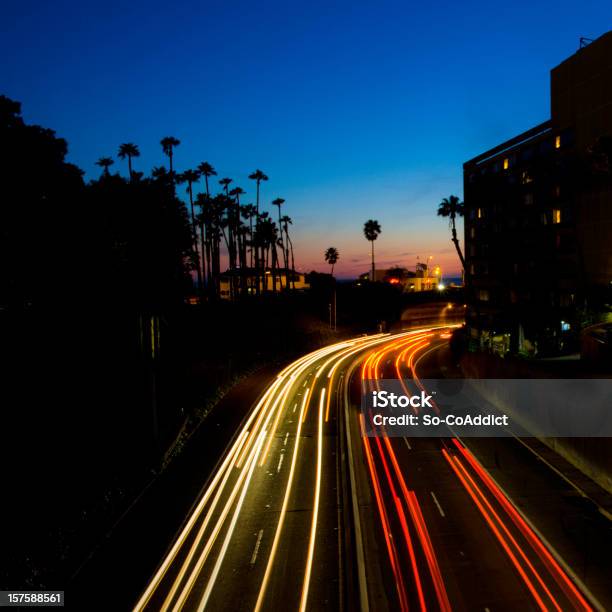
(208, 230)
(373, 266)
(292, 263)
(456, 242)
(194, 237)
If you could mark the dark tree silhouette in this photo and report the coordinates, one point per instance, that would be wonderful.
(331, 257)
(129, 150)
(190, 177)
(105, 163)
(452, 208)
(168, 144)
(371, 230)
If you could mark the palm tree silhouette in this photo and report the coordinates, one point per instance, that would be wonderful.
(235, 222)
(129, 150)
(371, 229)
(258, 176)
(190, 177)
(452, 208)
(106, 163)
(331, 257)
(206, 170)
(168, 144)
(279, 202)
(249, 212)
(225, 183)
(286, 221)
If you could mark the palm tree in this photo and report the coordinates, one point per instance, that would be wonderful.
(452, 208)
(190, 177)
(225, 182)
(233, 214)
(249, 212)
(206, 170)
(168, 143)
(279, 202)
(371, 229)
(129, 150)
(106, 163)
(258, 176)
(289, 247)
(286, 221)
(331, 257)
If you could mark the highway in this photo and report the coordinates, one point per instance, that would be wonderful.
(305, 512)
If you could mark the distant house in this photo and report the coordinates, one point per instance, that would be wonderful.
(423, 279)
(232, 282)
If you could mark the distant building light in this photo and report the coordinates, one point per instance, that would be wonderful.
(565, 326)
(479, 213)
(440, 286)
(556, 215)
(506, 163)
(557, 142)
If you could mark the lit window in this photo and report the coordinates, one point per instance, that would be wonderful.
(556, 215)
(506, 163)
(483, 295)
(526, 178)
(557, 142)
(479, 213)
(472, 232)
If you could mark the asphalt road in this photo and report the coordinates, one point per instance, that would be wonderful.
(305, 512)
(269, 526)
(454, 539)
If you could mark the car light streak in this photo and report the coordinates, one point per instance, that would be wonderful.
(144, 599)
(283, 512)
(315, 512)
(496, 532)
(198, 538)
(476, 493)
(232, 526)
(560, 576)
(190, 570)
(382, 513)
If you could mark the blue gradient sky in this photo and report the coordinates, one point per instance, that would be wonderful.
(354, 110)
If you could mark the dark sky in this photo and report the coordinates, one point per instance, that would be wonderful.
(355, 110)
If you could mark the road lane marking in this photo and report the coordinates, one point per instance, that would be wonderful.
(437, 504)
(256, 549)
(294, 407)
(286, 438)
(407, 444)
(280, 463)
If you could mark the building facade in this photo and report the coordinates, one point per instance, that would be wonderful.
(538, 217)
